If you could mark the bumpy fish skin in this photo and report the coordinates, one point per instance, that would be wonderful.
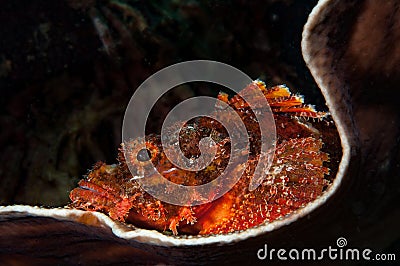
(298, 174)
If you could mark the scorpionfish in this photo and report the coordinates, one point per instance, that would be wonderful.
(297, 176)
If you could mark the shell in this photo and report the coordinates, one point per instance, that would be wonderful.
(331, 48)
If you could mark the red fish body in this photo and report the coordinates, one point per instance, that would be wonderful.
(298, 174)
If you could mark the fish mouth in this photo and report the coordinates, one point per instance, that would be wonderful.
(88, 186)
(92, 193)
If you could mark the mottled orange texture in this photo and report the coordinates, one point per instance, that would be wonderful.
(297, 175)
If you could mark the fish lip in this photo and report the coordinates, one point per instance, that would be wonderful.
(96, 189)
(88, 188)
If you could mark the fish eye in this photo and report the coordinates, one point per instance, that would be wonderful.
(143, 155)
